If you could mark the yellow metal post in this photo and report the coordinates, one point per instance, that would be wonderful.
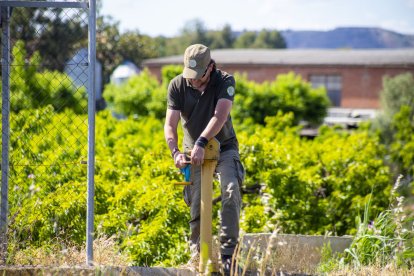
(211, 156)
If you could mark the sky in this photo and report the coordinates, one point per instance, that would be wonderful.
(168, 17)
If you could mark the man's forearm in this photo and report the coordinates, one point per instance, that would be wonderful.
(171, 138)
(213, 127)
(218, 120)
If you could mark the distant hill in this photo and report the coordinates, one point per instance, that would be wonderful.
(355, 38)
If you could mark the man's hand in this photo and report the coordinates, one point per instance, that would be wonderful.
(197, 156)
(180, 160)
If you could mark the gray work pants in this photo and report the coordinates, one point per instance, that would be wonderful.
(231, 175)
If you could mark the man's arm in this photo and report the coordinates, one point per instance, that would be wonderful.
(221, 114)
(171, 137)
(216, 123)
(170, 128)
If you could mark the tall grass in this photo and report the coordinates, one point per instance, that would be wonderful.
(60, 253)
(276, 256)
(383, 245)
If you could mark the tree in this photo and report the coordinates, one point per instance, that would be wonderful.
(395, 126)
(269, 39)
(107, 38)
(161, 43)
(55, 33)
(64, 34)
(396, 92)
(136, 47)
(22, 27)
(194, 31)
(221, 39)
(245, 40)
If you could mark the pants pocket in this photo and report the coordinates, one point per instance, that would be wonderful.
(239, 171)
(187, 195)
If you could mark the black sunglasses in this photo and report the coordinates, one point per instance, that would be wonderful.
(205, 72)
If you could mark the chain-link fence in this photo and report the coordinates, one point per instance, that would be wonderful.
(48, 107)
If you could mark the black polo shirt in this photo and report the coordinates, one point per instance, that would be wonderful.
(198, 108)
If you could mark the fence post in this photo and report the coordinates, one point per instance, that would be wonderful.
(211, 156)
(91, 131)
(5, 73)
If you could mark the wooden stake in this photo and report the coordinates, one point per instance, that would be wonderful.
(211, 156)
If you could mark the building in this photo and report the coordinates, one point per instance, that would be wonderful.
(352, 78)
(77, 69)
(123, 72)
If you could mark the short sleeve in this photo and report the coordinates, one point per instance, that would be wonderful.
(227, 89)
(173, 97)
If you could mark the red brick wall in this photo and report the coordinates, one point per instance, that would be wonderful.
(361, 85)
(155, 70)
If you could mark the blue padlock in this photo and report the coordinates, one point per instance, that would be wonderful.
(187, 172)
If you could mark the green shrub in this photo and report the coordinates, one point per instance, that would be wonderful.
(312, 187)
(134, 96)
(134, 192)
(143, 95)
(288, 93)
(307, 186)
(169, 72)
(31, 88)
(402, 146)
(394, 124)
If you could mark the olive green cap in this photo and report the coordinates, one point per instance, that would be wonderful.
(196, 59)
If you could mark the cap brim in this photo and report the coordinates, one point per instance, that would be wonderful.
(189, 73)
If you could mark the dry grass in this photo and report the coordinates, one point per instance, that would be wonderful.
(276, 256)
(106, 252)
(285, 259)
(373, 271)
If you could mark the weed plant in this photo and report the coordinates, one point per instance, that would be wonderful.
(62, 253)
(383, 245)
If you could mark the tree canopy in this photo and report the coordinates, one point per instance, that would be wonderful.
(57, 34)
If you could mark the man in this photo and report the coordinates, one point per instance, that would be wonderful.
(202, 97)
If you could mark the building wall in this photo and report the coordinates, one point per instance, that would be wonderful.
(361, 85)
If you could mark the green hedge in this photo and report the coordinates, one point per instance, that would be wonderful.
(142, 95)
(308, 186)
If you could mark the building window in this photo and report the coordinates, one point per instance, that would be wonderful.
(332, 84)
